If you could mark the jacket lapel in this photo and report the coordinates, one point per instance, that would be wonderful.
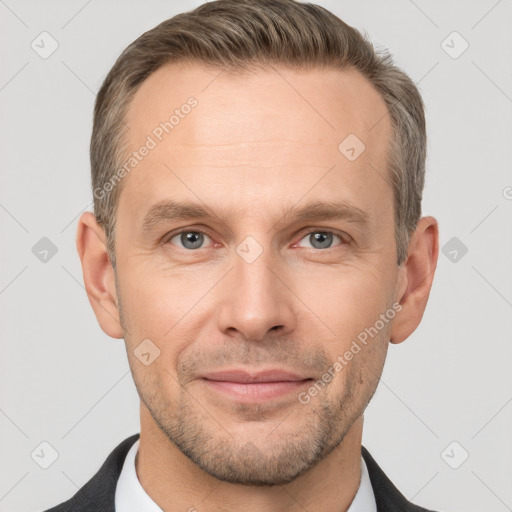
(99, 492)
(387, 496)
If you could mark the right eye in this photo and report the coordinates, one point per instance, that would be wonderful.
(188, 239)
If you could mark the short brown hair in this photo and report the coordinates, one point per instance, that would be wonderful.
(235, 34)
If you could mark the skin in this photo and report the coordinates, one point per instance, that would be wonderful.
(252, 149)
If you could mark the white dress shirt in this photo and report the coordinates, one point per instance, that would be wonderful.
(131, 496)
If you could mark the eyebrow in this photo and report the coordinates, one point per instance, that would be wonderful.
(168, 210)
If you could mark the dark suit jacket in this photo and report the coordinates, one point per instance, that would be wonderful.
(98, 494)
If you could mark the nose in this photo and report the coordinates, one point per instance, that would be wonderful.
(255, 300)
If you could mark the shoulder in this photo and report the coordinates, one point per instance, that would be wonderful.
(98, 493)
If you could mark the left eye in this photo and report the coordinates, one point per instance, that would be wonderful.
(321, 239)
(189, 239)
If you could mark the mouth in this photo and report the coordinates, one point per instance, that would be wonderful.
(244, 386)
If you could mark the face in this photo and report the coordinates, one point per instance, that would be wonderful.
(250, 248)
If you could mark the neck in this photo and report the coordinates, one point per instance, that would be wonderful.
(174, 482)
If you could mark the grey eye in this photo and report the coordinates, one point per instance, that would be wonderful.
(321, 239)
(189, 239)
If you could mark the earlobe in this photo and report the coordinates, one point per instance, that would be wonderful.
(415, 281)
(98, 274)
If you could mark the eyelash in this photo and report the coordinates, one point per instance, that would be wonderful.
(328, 232)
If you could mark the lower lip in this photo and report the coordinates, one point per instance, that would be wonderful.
(256, 391)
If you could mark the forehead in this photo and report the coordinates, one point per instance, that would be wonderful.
(259, 132)
(318, 104)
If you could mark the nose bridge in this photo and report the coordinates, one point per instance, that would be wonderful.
(255, 300)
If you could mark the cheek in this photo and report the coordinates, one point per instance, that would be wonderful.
(351, 304)
(156, 384)
(347, 301)
(164, 310)
(357, 364)
(155, 303)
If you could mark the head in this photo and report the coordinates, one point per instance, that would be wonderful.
(257, 171)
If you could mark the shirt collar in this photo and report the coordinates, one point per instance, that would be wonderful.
(130, 495)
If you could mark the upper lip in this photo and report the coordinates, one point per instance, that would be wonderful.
(237, 375)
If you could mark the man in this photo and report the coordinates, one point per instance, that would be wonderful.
(257, 241)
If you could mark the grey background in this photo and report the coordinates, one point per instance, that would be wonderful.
(65, 382)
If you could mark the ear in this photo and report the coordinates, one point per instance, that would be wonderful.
(98, 274)
(415, 279)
